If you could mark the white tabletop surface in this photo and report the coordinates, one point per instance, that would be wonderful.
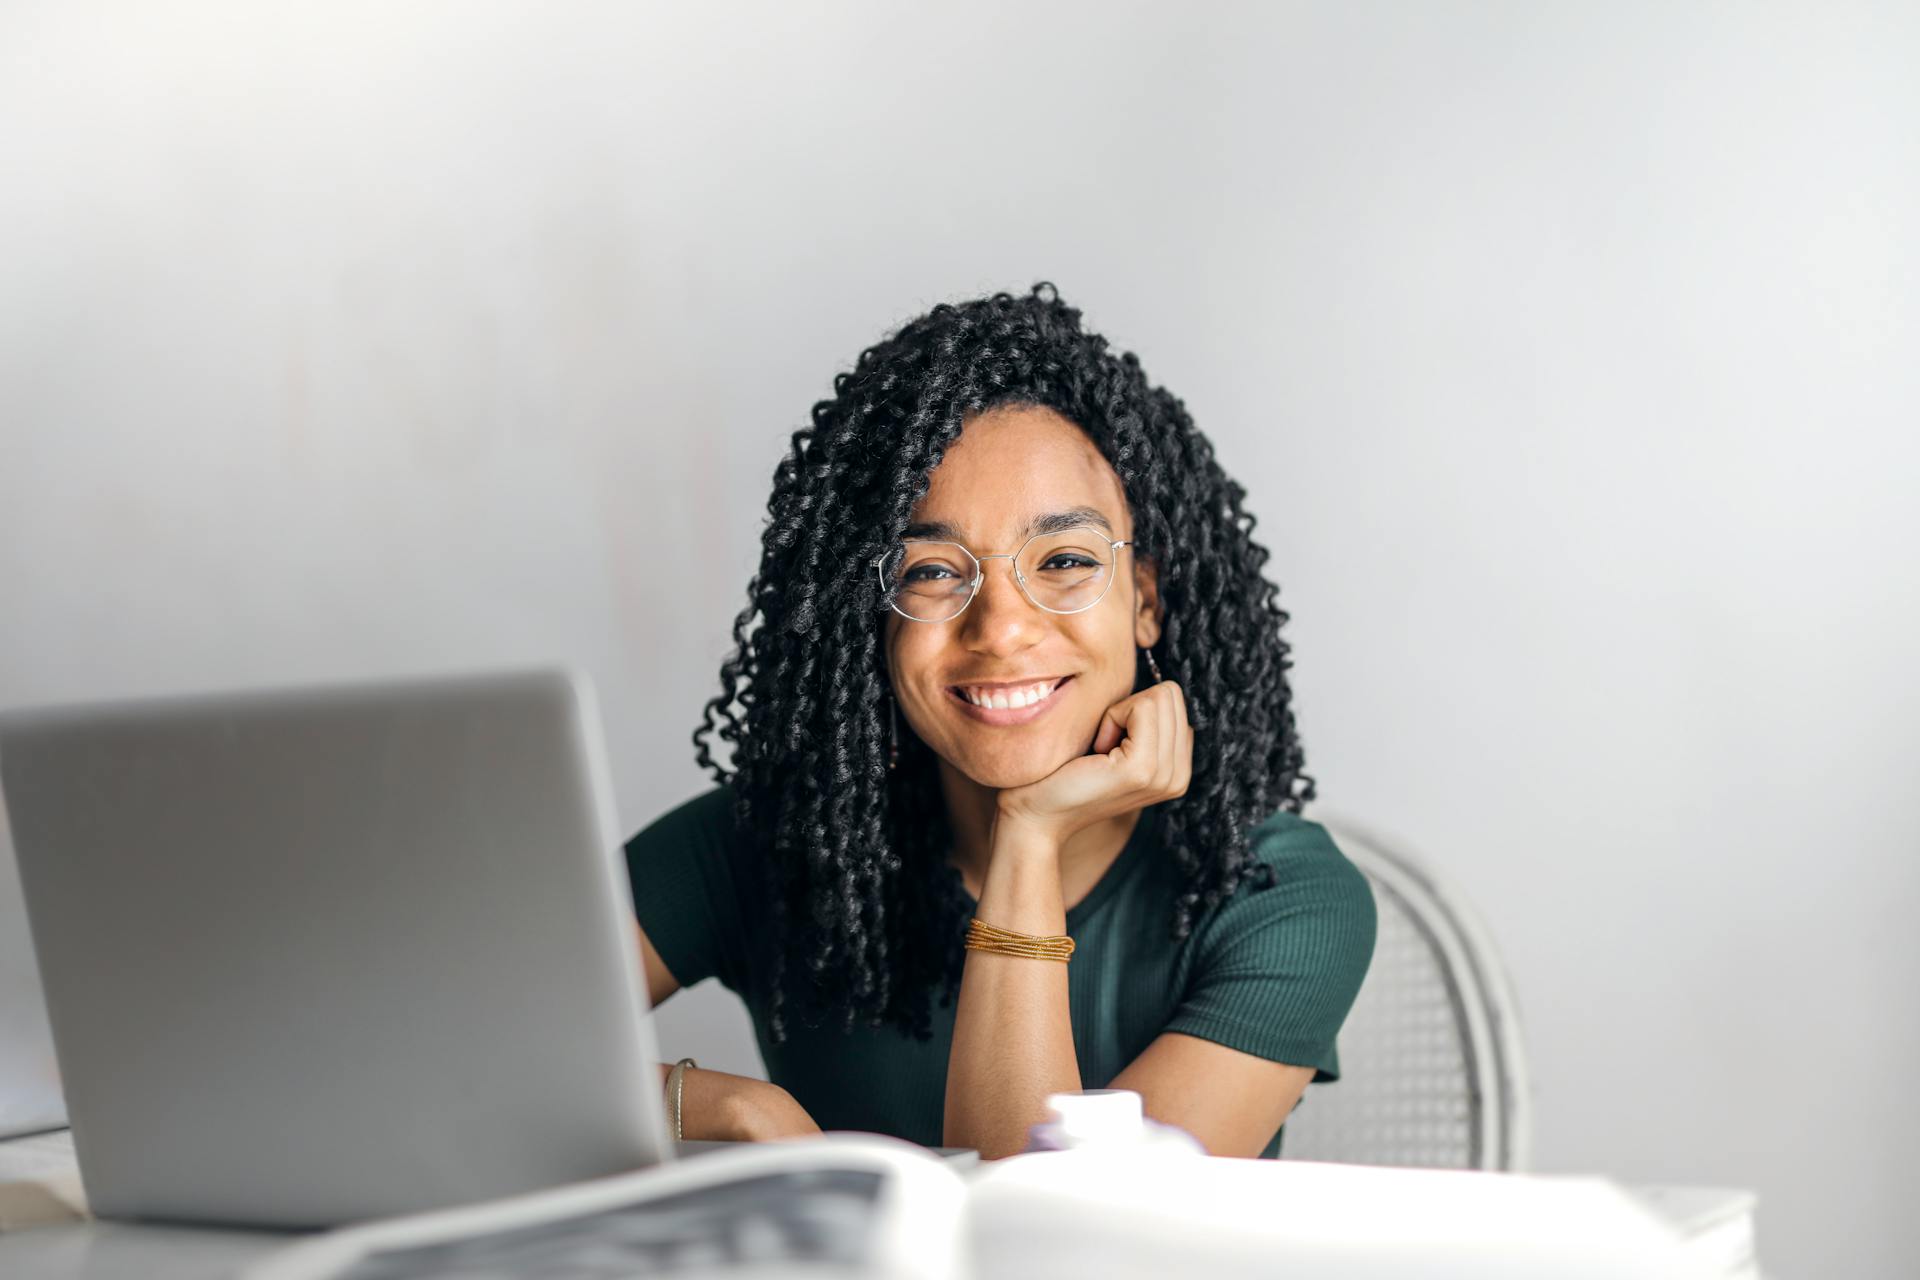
(103, 1250)
(125, 1251)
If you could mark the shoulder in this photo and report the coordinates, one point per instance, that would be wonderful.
(1303, 852)
(691, 895)
(695, 841)
(706, 819)
(1277, 966)
(1319, 902)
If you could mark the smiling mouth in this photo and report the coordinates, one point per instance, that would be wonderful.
(1008, 703)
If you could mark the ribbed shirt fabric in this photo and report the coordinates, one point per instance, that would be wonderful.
(1269, 972)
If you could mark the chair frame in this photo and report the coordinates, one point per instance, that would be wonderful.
(1483, 999)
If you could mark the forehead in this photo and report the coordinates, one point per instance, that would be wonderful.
(1013, 465)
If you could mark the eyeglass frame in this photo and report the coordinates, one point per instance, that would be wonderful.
(888, 594)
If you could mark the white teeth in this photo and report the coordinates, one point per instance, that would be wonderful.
(1006, 699)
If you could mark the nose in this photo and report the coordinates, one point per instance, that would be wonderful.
(1000, 620)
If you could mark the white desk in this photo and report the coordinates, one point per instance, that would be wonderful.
(94, 1250)
(119, 1251)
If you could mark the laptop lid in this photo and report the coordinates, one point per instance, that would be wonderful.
(319, 955)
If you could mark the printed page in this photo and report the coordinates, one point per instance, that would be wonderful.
(840, 1204)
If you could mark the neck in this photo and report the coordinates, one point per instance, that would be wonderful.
(972, 809)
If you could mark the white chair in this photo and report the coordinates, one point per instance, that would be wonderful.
(1432, 1068)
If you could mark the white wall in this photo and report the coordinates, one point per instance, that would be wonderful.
(1568, 354)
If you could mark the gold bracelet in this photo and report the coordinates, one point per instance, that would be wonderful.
(982, 936)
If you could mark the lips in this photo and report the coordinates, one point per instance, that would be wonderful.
(1008, 702)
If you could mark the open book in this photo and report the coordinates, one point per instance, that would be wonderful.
(859, 1205)
(841, 1204)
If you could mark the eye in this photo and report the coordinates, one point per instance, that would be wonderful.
(1069, 560)
(927, 573)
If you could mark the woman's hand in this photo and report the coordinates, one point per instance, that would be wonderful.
(1142, 754)
(717, 1105)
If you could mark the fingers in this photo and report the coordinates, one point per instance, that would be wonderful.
(1169, 724)
(1183, 760)
(1118, 722)
(1183, 748)
(1138, 753)
(1150, 738)
(1176, 742)
(1142, 754)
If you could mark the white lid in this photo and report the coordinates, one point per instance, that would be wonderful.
(1098, 1115)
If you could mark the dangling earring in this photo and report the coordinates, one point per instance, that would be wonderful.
(893, 733)
(1152, 665)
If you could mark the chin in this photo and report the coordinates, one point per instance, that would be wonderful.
(1015, 771)
(1006, 781)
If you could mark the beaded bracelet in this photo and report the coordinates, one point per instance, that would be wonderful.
(986, 937)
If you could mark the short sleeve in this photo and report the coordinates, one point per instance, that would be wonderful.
(1276, 970)
(685, 890)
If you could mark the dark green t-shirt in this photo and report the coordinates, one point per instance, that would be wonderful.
(1269, 972)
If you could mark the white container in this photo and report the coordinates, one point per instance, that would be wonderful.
(1107, 1120)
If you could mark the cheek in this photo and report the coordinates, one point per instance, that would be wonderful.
(1111, 657)
(909, 654)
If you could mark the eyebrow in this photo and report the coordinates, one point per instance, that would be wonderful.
(1052, 522)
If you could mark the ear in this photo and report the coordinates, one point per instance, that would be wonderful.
(1146, 612)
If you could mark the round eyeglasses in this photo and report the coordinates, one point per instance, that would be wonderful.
(1066, 571)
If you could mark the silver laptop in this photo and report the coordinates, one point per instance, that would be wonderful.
(322, 955)
(29, 1080)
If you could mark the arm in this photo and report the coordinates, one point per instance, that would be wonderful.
(1232, 1101)
(716, 1104)
(1012, 1033)
(1275, 974)
(1012, 1038)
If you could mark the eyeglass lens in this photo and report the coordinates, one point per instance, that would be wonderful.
(1064, 572)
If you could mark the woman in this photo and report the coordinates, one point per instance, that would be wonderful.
(1009, 657)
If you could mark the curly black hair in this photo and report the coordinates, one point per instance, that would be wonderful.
(868, 914)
